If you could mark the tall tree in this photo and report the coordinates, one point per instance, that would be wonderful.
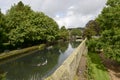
(2, 25)
(24, 26)
(91, 29)
(109, 21)
(63, 33)
(76, 32)
(16, 15)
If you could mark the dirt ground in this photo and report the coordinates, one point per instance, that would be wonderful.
(81, 72)
(112, 66)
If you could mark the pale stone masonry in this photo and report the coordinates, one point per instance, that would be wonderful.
(69, 67)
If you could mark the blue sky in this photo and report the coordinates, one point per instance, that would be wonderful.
(70, 13)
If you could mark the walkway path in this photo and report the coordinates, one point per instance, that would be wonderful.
(82, 68)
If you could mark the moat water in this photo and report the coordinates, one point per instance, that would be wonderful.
(38, 64)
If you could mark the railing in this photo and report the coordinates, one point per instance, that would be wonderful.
(69, 67)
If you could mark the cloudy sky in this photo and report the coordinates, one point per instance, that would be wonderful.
(71, 13)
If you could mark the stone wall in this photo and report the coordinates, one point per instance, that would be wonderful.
(69, 67)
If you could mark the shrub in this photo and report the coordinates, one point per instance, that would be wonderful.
(91, 43)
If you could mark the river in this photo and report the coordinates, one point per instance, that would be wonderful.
(38, 65)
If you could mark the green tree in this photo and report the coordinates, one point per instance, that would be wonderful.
(24, 26)
(91, 29)
(16, 15)
(63, 33)
(2, 25)
(110, 31)
(76, 32)
(88, 33)
(14, 20)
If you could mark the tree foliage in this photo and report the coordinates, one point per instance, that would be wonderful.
(2, 25)
(109, 21)
(24, 27)
(76, 32)
(91, 29)
(63, 33)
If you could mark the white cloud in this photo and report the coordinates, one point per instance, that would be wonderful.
(71, 7)
(71, 13)
(73, 20)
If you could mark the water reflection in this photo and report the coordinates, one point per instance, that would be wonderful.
(74, 44)
(38, 65)
(64, 55)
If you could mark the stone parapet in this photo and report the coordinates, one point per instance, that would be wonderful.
(69, 67)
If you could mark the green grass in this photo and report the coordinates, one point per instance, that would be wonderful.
(96, 69)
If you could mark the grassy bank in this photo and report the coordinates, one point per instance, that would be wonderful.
(21, 51)
(96, 69)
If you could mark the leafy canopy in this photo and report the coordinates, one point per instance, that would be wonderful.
(109, 21)
(63, 33)
(24, 26)
(91, 29)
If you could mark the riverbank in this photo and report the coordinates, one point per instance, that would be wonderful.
(112, 66)
(5, 55)
(96, 69)
(91, 68)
